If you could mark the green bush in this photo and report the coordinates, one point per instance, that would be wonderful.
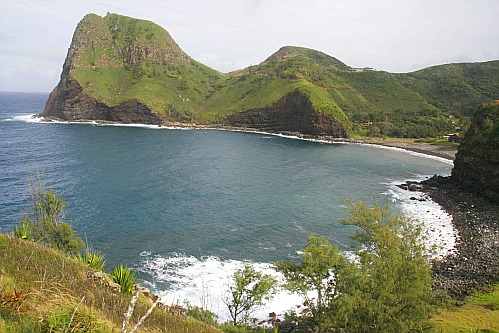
(386, 290)
(206, 316)
(44, 223)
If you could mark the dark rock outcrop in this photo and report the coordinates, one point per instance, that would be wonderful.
(292, 113)
(475, 263)
(68, 102)
(476, 167)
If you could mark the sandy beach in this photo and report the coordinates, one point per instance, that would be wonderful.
(408, 144)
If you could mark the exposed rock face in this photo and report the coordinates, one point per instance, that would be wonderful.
(292, 113)
(476, 167)
(68, 102)
(470, 195)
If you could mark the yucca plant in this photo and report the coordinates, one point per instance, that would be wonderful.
(125, 278)
(93, 260)
(23, 230)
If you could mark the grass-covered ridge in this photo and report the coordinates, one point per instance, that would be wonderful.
(117, 59)
(479, 313)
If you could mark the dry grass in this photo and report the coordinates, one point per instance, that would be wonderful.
(43, 290)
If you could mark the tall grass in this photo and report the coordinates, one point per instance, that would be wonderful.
(44, 290)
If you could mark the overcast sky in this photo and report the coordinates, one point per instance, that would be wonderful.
(391, 35)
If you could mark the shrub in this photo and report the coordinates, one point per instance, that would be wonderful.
(44, 223)
(388, 287)
(249, 288)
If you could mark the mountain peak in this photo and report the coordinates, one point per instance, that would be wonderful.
(115, 40)
(129, 70)
(297, 52)
(139, 40)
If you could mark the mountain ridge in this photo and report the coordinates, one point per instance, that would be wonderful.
(128, 70)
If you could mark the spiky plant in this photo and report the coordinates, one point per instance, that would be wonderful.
(123, 276)
(92, 259)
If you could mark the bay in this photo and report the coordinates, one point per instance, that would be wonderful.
(171, 202)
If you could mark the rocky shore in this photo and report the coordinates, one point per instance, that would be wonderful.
(475, 264)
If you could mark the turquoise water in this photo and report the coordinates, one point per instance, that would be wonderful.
(143, 196)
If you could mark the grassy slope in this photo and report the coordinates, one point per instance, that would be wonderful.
(456, 89)
(480, 313)
(183, 89)
(305, 70)
(53, 288)
(106, 73)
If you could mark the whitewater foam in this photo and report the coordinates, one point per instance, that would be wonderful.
(28, 118)
(442, 236)
(205, 283)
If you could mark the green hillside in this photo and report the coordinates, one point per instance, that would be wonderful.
(116, 59)
(124, 58)
(456, 89)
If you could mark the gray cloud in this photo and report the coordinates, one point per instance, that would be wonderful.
(396, 36)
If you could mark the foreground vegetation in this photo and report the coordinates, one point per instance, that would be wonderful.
(45, 290)
(478, 314)
(47, 286)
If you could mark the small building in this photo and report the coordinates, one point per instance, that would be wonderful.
(454, 137)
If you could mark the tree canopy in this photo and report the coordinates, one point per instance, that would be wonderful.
(386, 288)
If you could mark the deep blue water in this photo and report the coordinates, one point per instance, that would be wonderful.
(198, 192)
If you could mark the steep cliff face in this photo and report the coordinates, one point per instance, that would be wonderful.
(476, 167)
(70, 103)
(294, 113)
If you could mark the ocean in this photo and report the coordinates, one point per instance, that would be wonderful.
(185, 208)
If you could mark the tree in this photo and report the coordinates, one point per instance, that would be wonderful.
(45, 222)
(386, 288)
(315, 278)
(249, 289)
(390, 288)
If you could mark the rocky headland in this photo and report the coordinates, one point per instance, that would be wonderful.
(471, 196)
(125, 70)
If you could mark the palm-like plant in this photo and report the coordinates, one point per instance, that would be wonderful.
(93, 260)
(125, 278)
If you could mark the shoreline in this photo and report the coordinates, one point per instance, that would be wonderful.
(475, 264)
(448, 153)
(445, 152)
